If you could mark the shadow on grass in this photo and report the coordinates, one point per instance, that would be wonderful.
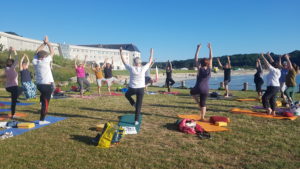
(171, 126)
(173, 106)
(84, 139)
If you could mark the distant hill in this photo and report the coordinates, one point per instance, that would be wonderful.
(237, 60)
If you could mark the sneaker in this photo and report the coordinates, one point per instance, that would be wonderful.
(43, 122)
(136, 123)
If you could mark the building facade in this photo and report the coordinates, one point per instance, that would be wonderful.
(97, 53)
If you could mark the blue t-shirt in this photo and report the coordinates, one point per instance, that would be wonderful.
(284, 72)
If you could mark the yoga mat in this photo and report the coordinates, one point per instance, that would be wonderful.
(128, 120)
(246, 100)
(260, 114)
(18, 131)
(18, 104)
(209, 127)
(6, 116)
(278, 109)
(4, 110)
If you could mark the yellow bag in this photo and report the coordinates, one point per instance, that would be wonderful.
(107, 135)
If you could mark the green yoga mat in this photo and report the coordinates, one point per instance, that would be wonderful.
(128, 120)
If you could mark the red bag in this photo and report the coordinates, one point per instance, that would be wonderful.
(187, 129)
(287, 114)
(214, 119)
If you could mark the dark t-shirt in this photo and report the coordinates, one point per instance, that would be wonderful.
(107, 72)
(203, 79)
(227, 74)
(169, 74)
(258, 76)
(25, 75)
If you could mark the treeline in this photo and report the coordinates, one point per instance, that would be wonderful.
(237, 60)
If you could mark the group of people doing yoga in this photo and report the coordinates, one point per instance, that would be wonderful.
(281, 77)
(43, 78)
(140, 77)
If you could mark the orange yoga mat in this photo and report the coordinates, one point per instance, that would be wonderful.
(246, 100)
(205, 125)
(260, 114)
(6, 116)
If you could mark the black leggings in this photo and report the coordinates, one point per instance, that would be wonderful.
(139, 92)
(46, 91)
(15, 91)
(269, 98)
(169, 82)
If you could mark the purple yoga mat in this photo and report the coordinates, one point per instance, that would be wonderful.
(277, 109)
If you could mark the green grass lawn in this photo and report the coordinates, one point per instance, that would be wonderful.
(252, 142)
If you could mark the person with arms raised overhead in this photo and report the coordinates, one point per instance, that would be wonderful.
(201, 89)
(273, 86)
(43, 76)
(169, 80)
(137, 82)
(258, 78)
(291, 80)
(11, 84)
(99, 75)
(227, 74)
(81, 76)
(26, 78)
(107, 69)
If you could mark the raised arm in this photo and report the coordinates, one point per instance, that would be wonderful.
(75, 64)
(210, 55)
(265, 60)
(46, 41)
(196, 56)
(151, 55)
(21, 62)
(84, 62)
(122, 57)
(287, 57)
(270, 57)
(112, 62)
(228, 61)
(280, 63)
(220, 64)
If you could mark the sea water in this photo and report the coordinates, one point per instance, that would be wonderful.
(237, 82)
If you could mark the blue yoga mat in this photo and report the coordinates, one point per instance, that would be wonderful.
(128, 120)
(4, 110)
(18, 131)
(18, 104)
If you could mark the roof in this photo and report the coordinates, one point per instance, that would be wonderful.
(129, 47)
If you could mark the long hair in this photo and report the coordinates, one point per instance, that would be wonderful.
(9, 62)
(204, 62)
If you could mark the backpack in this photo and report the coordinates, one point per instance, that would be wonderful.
(191, 127)
(111, 134)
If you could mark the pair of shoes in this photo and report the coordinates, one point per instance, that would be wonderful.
(6, 135)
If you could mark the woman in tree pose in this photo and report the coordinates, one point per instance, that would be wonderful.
(258, 78)
(99, 75)
(169, 80)
(291, 80)
(284, 71)
(273, 86)
(107, 68)
(81, 75)
(11, 84)
(44, 78)
(137, 82)
(201, 89)
(26, 78)
(227, 74)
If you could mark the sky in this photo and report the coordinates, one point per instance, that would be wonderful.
(173, 28)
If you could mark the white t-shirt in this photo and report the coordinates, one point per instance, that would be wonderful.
(273, 77)
(137, 75)
(43, 73)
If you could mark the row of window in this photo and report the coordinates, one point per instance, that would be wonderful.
(98, 52)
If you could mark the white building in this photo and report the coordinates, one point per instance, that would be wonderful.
(97, 53)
